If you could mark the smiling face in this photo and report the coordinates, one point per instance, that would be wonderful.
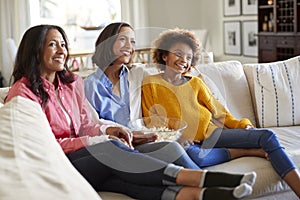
(179, 58)
(124, 45)
(54, 54)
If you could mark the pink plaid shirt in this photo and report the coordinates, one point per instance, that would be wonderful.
(70, 137)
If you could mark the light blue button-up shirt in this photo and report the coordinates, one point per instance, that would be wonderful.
(98, 90)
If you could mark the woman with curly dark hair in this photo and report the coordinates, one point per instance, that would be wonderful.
(174, 94)
(167, 39)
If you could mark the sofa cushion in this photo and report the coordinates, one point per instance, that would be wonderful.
(33, 165)
(214, 89)
(267, 182)
(289, 138)
(231, 81)
(276, 92)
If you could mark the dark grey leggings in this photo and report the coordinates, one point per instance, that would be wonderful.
(170, 152)
(111, 166)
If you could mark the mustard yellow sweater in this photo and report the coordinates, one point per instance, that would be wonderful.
(191, 101)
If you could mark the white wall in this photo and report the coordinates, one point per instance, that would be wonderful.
(196, 14)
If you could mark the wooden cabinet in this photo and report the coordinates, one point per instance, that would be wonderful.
(266, 45)
(278, 29)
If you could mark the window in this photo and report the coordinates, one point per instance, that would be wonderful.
(87, 13)
(81, 19)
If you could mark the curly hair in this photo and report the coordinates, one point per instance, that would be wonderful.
(167, 39)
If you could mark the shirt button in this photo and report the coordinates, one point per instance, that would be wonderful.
(69, 111)
(62, 98)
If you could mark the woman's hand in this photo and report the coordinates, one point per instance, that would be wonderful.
(112, 137)
(185, 142)
(122, 134)
(248, 127)
(140, 137)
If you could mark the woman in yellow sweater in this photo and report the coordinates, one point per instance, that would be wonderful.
(174, 94)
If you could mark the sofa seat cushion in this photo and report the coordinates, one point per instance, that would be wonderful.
(276, 92)
(33, 165)
(267, 181)
(290, 139)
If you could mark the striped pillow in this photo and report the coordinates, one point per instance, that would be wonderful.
(277, 93)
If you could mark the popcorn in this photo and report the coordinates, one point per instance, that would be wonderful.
(167, 129)
(164, 133)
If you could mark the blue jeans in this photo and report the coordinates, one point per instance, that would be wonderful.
(213, 150)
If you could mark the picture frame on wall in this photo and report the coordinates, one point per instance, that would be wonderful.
(232, 7)
(232, 38)
(250, 39)
(249, 7)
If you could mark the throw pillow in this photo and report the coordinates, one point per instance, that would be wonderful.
(228, 83)
(33, 165)
(277, 92)
(212, 86)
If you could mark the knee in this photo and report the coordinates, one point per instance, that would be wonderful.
(175, 146)
(269, 137)
(267, 134)
(169, 147)
(197, 154)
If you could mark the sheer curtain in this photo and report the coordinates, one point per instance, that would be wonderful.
(14, 20)
(135, 12)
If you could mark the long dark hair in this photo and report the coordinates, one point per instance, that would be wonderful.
(104, 55)
(29, 59)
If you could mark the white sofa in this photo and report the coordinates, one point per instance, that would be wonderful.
(268, 94)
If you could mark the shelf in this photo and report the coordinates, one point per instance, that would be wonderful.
(266, 7)
(283, 39)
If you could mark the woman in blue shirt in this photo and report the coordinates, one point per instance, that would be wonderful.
(114, 91)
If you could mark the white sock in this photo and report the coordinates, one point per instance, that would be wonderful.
(201, 193)
(249, 178)
(202, 178)
(242, 190)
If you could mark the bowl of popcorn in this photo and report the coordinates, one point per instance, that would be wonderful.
(167, 129)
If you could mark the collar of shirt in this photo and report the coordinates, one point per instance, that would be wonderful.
(105, 80)
(50, 86)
